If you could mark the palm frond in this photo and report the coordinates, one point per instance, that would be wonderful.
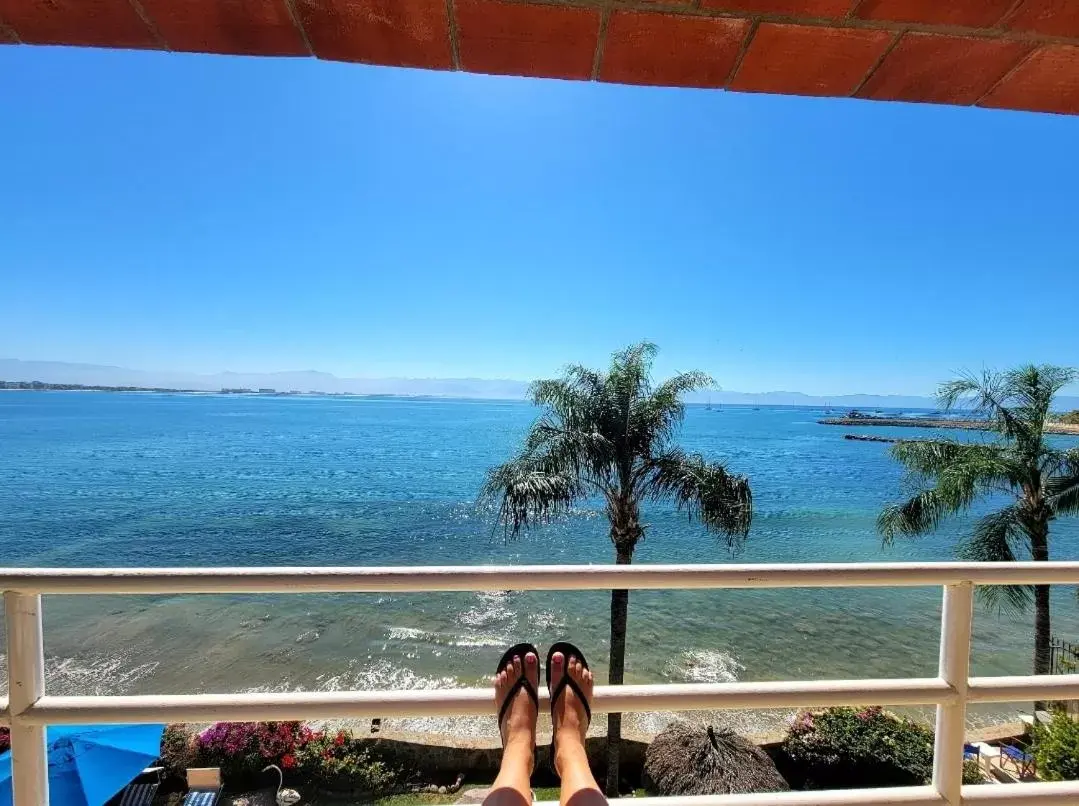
(996, 538)
(655, 419)
(930, 457)
(565, 399)
(1017, 402)
(989, 396)
(918, 515)
(1062, 489)
(966, 389)
(554, 448)
(705, 491)
(959, 471)
(628, 380)
(527, 495)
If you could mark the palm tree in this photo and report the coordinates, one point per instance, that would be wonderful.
(1040, 480)
(609, 435)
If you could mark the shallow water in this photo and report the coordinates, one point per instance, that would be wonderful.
(133, 480)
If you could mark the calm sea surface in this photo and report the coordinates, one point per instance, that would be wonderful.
(90, 479)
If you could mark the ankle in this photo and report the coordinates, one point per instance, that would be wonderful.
(520, 743)
(570, 753)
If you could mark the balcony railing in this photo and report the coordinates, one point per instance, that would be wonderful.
(30, 708)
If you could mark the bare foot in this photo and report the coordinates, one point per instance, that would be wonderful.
(569, 716)
(519, 724)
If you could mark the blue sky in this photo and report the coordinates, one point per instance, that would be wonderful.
(200, 213)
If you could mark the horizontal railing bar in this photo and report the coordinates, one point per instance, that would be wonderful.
(1043, 793)
(311, 705)
(527, 577)
(1060, 793)
(1021, 688)
(887, 796)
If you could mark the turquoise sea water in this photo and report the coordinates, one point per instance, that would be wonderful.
(140, 480)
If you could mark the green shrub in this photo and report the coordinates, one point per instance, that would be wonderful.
(972, 772)
(177, 750)
(340, 761)
(848, 748)
(1056, 748)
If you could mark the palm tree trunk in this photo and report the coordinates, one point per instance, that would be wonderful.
(616, 674)
(1039, 551)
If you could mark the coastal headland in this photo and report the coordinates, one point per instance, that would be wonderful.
(925, 422)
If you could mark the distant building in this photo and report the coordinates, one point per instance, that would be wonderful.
(236, 391)
(267, 391)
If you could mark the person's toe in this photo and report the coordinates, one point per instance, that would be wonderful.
(532, 668)
(558, 660)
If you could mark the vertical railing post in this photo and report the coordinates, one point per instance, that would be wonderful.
(26, 685)
(955, 627)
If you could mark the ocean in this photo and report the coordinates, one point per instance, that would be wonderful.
(93, 479)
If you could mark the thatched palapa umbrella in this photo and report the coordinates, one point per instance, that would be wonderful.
(689, 760)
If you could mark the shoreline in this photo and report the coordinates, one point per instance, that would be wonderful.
(921, 422)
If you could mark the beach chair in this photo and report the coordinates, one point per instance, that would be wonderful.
(203, 786)
(1017, 757)
(971, 752)
(141, 791)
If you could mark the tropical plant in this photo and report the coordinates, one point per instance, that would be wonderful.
(1056, 748)
(849, 748)
(1041, 481)
(609, 436)
(178, 749)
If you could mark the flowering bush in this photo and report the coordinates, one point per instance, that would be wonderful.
(5, 739)
(243, 749)
(335, 760)
(845, 748)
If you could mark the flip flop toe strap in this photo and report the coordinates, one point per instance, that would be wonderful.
(571, 683)
(522, 682)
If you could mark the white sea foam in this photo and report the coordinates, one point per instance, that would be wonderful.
(410, 634)
(492, 609)
(94, 675)
(705, 666)
(480, 640)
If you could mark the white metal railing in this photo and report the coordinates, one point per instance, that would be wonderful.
(29, 709)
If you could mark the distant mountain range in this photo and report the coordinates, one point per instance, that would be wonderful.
(12, 369)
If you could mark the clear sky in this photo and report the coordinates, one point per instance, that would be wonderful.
(200, 213)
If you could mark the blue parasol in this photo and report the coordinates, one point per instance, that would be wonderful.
(88, 764)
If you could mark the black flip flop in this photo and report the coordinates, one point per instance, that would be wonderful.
(522, 682)
(569, 651)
